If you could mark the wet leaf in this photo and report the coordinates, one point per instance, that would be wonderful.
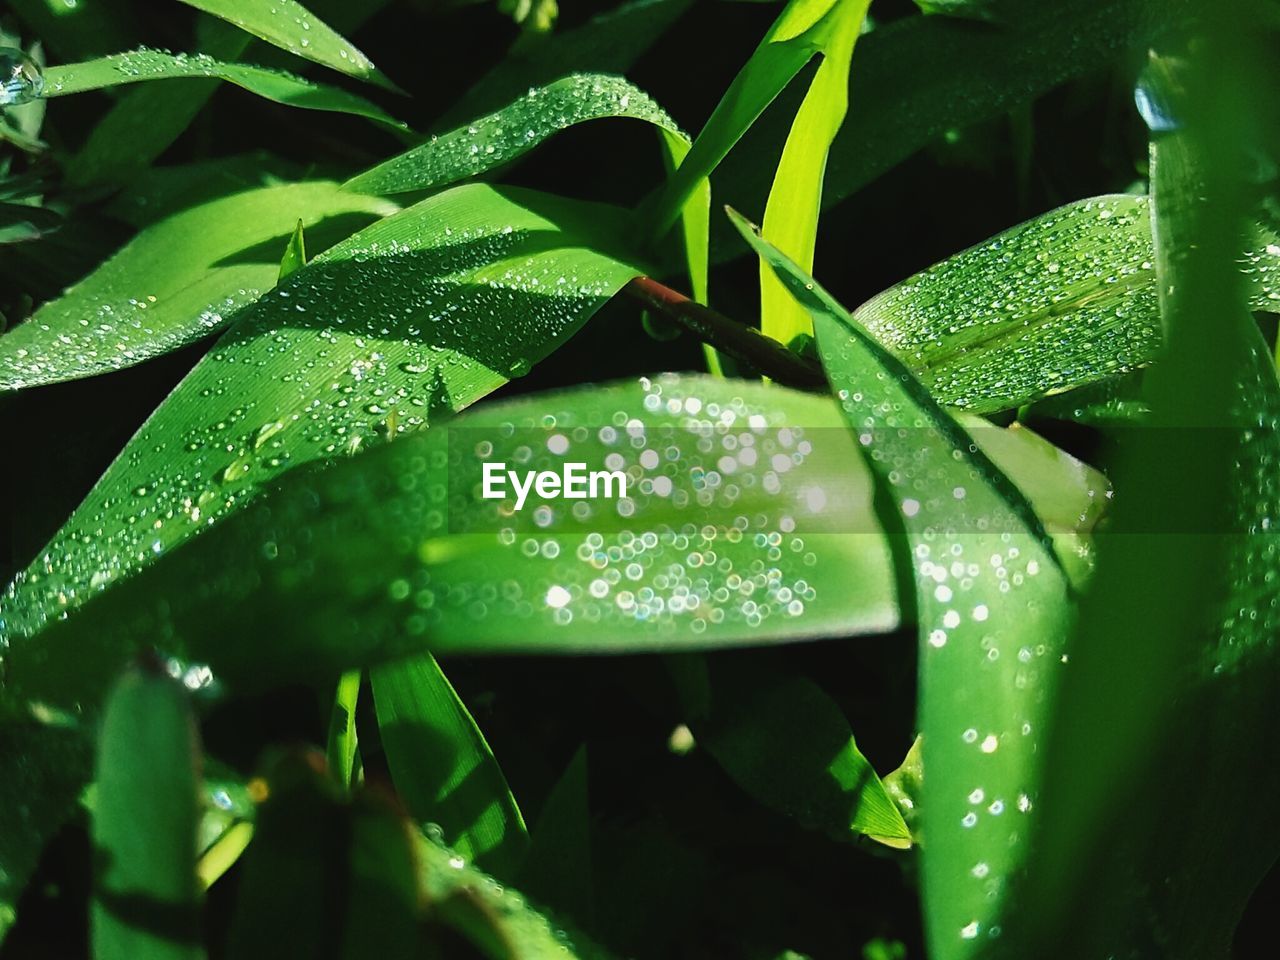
(1059, 302)
(290, 26)
(143, 64)
(500, 137)
(175, 282)
(747, 517)
(443, 769)
(146, 902)
(992, 609)
(791, 214)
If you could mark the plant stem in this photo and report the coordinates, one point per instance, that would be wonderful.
(739, 341)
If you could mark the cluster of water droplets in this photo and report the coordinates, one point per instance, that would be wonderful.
(146, 63)
(387, 332)
(1065, 299)
(21, 79)
(501, 136)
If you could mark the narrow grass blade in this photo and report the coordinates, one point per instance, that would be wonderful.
(344, 744)
(695, 230)
(943, 74)
(799, 33)
(290, 26)
(143, 64)
(993, 613)
(175, 282)
(147, 897)
(767, 554)
(1062, 301)
(442, 767)
(791, 215)
(500, 137)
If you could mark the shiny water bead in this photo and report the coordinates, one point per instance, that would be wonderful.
(20, 78)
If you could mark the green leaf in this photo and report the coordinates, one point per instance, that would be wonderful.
(441, 765)
(992, 614)
(324, 876)
(290, 26)
(143, 64)
(147, 897)
(343, 742)
(502, 136)
(943, 74)
(392, 553)
(1059, 302)
(175, 282)
(379, 335)
(782, 739)
(801, 31)
(1152, 771)
(989, 10)
(791, 215)
(295, 253)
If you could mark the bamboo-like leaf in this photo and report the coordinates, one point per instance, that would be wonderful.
(500, 137)
(137, 66)
(800, 32)
(442, 767)
(295, 253)
(343, 741)
(146, 899)
(791, 214)
(380, 334)
(290, 26)
(1170, 698)
(993, 613)
(175, 282)
(1026, 314)
(764, 550)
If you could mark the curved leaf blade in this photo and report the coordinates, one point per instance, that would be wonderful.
(175, 282)
(508, 133)
(424, 563)
(290, 26)
(992, 612)
(137, 66)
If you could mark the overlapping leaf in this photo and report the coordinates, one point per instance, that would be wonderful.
(175, 282)
(746, 519)
(1059, 302)
(992, 613)
(291, 26)
(499, 137)
(144, 64)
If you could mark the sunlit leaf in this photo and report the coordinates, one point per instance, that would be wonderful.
(291, 26)
(791, 215)
(175, 282)
(992, 611)
(502, 136)
(143, 64)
